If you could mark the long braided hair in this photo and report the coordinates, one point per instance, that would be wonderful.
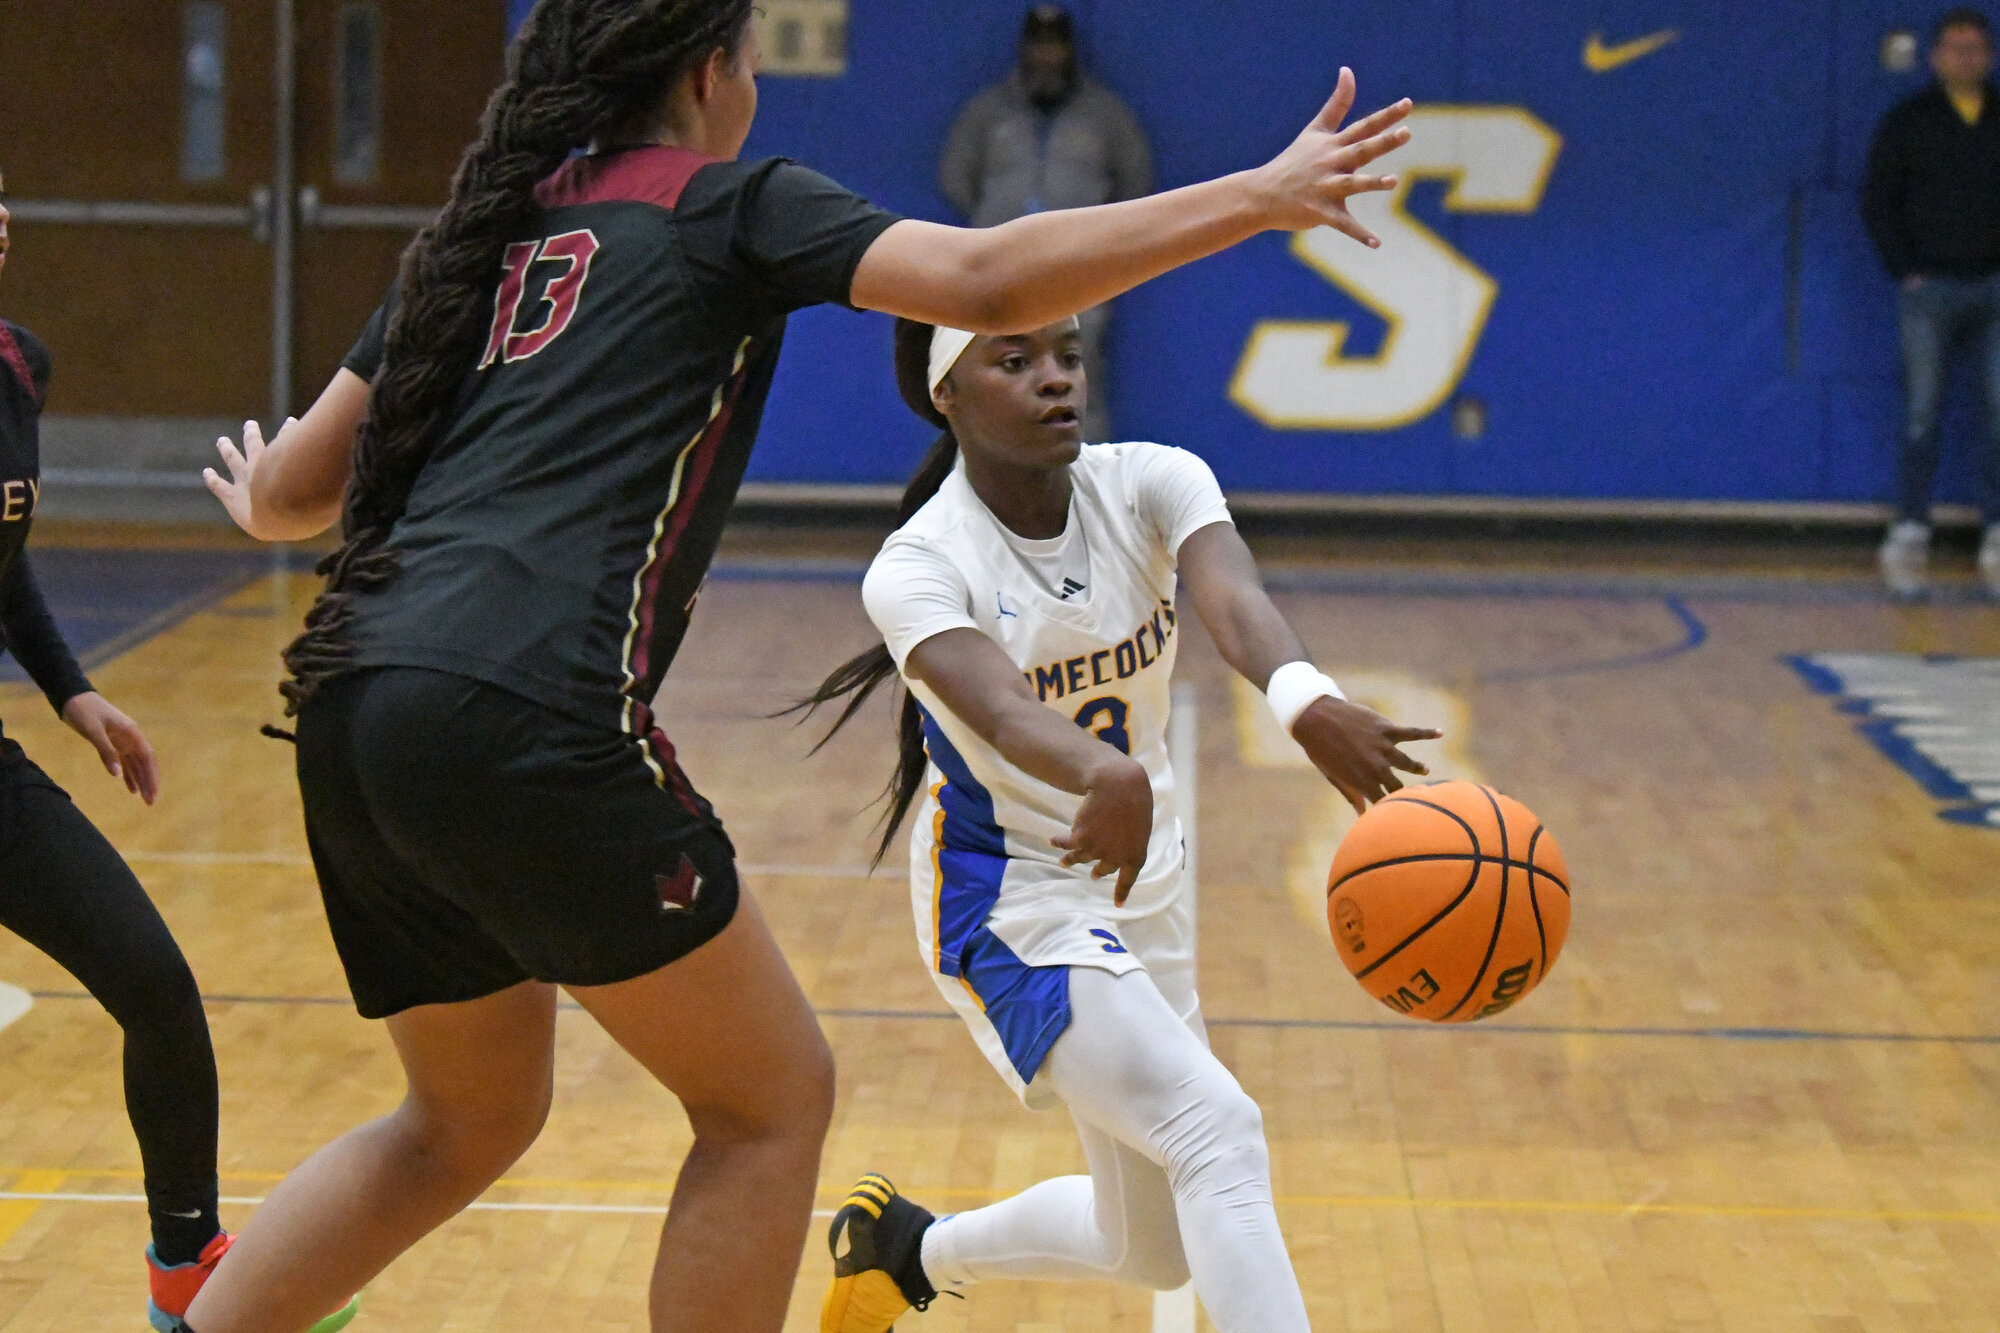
(580, 70)
(858, 679)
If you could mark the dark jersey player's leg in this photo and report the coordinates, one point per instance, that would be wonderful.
(65, 890)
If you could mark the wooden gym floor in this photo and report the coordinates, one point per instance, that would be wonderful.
(1760, 1092)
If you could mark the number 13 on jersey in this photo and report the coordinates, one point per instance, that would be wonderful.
(558, 301)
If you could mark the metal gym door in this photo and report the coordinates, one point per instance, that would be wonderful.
(210, 197)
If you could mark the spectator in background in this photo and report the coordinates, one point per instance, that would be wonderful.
(1049, 137)
(1932, 204)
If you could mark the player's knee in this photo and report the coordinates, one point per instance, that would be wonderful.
(1223, 1135)
(476, 1139)
(1239, 1121)
(1159, 1266)
(157, 991)
(792, 1103)
(802, 1108)
(816, 1092)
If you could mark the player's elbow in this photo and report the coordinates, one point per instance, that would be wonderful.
(997, 288)
(992, 310)
(280, 517)
(299, 526)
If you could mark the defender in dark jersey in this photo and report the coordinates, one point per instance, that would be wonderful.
(65, 891)
(544, 433)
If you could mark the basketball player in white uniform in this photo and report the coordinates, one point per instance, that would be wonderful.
(1028, 602)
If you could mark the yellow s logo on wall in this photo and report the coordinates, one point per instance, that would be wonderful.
(1297, 376)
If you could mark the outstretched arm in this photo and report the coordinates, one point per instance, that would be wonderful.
(1356, 748)
(292, 488)
(973, 678)
(1041, 268)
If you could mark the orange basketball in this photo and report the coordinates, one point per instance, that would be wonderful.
(1449, 902)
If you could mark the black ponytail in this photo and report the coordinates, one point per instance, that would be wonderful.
(858, 679)
(580, 71)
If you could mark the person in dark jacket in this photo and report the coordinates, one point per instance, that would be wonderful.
(1932, 205)
(1049, 136)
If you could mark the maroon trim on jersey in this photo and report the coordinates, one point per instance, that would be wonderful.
(654, 175)
(665, 756)
(700, 463)
(17, 361)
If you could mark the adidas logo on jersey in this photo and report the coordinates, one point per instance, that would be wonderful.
(1070, 589)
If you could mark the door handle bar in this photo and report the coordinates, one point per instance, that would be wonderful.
(130, 213)
(254, 215)
(361, 217)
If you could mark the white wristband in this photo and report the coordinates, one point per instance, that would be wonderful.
(1293, 688)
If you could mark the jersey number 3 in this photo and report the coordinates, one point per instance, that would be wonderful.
(574, 250)
(1105, 719)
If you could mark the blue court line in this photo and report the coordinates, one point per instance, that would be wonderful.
(1695, 634)
(789, 571)
(1608, 587)
(1704, 1034)
(1435, 583)
(1301, 1024)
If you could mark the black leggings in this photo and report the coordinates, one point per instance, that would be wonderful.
(65, 891)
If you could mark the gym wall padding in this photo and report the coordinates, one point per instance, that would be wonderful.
(1683, 304)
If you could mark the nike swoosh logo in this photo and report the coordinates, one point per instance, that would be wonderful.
(1601, 59)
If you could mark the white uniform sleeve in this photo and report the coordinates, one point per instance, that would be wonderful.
(1176, 494)
(914, 593)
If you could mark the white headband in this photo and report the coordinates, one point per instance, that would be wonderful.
(947, 346)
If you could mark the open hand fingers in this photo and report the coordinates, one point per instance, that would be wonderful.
(1356, 792)
(1370, 126)
(1358, 155)
(1404, 735)
(1346, 187)
(1345, 223)
(1075, 853)
(1102, 865)
(107, 752)
(233, 459)
(1339, 104)
(142, 767)
(1397, 759)
(1126, 879)
(1354, 798)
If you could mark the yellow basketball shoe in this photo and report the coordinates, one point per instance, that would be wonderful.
(877, 1239)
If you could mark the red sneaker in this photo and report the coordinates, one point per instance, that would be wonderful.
(174, 1288)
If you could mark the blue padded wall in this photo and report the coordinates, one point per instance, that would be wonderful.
(1689, 308)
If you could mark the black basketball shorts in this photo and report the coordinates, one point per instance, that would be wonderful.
(468, 839)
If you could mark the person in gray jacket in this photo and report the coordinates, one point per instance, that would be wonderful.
(1049, 137)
